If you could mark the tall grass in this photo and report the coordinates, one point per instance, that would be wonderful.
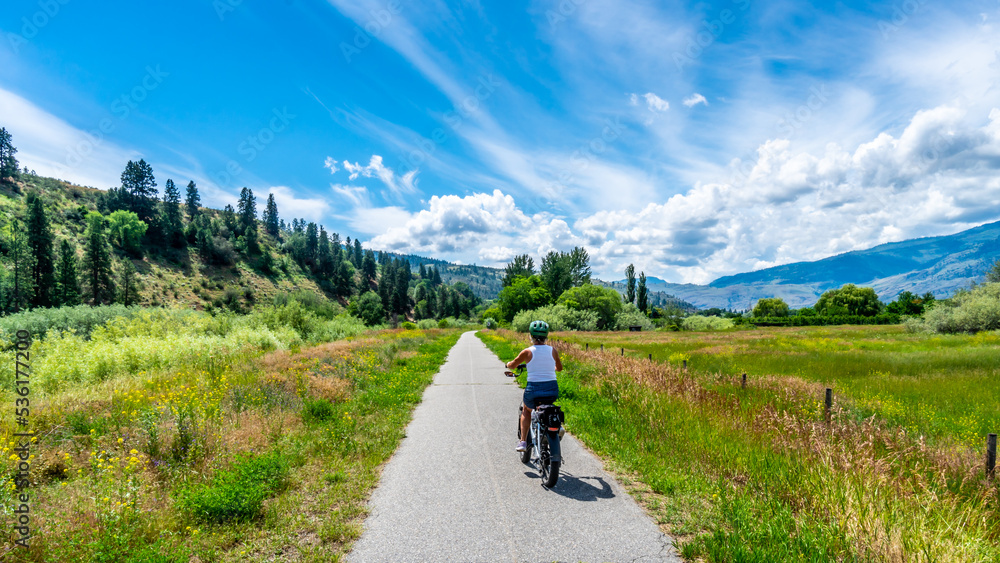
(759, 475)
(217, 458)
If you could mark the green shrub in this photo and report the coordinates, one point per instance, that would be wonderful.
(698, 322)
(312, 301)
(368, 308)
(426, 324)
(236, 494)
(629, 316)
(317, 410)
(967, 311)
(82, 319)
(490, 322)
(443, 323)
(408, 325)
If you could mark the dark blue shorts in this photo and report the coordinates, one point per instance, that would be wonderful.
(540, 390)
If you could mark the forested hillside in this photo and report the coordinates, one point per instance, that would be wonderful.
(64, 244)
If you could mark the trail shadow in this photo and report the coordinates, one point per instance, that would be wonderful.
(578, 488)
(587, 489)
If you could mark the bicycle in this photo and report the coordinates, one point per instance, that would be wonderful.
(546, 431)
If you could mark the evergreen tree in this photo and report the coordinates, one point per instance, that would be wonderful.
(68, 282)
(247, 209)
(97, 261)
(324, 260)
(173, 227)
(229, 218)
(312, 244)
(41, 244)
(358, 254)
(642, 296)
(271, 222)
(8, 163)
(193, 201)
(22, 261)
(423, 271)
(401, 300)
(386, 280)
(630, 284)
(368, 268)
(205, 242)
(139, 188)
(343, 279)
(436, 277)
(129, 284)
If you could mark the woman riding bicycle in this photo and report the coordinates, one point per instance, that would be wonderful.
(543, 363)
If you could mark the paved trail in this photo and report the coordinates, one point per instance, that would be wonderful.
(456, 490)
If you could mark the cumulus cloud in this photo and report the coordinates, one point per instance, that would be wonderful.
(694, 100)
(330, 164)
(937, 176)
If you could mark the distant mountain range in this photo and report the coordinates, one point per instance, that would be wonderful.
(940, 265)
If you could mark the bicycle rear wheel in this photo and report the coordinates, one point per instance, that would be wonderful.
(548, 468)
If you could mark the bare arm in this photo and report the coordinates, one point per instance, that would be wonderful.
(522, 358)
(555, 356)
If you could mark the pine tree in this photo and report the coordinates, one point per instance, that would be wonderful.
(324, 260)
(41, 244)
(229, 218)
(436, 277)
(247, 209)
(271, 222)
(97, 261)
(22, 261)
(139, 186)
(193, 201)
(386, 280)
(129, 285)
(423, 271)
(68, 282)
(401, 300)
(358, 254)
(173, 228)
(368, 268)
(8, 163)
(312, 244)
(630, 284)
(642, 296)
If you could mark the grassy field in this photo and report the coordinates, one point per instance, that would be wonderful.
(939, 386)
(758, 474)
(224, 443)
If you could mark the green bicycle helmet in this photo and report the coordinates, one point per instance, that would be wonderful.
(538, 329)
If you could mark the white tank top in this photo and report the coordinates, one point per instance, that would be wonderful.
(542, 366)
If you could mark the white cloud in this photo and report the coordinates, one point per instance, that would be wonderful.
(938, 176)
(54, 148)
(330, 164)
(376, 169)
(356, 195)
(656, 103)
(694, 100)
(290, 206)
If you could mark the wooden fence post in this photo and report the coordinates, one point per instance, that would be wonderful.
(991, 456)
(829, 403)
(623, 352)
(685, 366)
(651, 357)
(743, 385)
(602, 347)
(586, 346)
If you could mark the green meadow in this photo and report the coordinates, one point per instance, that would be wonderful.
(759, 473)
(172, 435)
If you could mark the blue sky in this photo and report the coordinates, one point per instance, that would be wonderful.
(692, 139)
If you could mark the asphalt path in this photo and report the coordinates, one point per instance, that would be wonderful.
(456, 490)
